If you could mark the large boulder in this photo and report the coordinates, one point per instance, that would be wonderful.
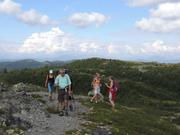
(19, 111)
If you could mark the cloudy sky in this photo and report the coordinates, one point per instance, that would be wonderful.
(145, 30)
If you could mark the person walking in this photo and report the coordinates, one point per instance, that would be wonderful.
(112, 92)
(96, 83)
(50, 83)
(63, 84)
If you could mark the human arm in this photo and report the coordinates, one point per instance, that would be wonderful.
(109, 86)
(46, 81)
(93, 82)
(100, 84)
(56, 81)
(69, 83)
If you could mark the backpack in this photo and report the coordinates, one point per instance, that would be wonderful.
(116, 85)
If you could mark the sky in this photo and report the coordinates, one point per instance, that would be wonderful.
(135, 30)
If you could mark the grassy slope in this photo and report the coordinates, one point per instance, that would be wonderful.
(148, 103)
(148, 99)
(129, 120)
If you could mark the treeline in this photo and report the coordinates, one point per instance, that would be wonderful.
(150, 79)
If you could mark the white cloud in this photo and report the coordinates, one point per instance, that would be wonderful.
(87, 19)
(56, 40)
(140, 3)
(156, 48)
(48, 42)
(9, 7)
(31, 17)
(57, 43)
(167, 11)
(114, 48)
(166, 18)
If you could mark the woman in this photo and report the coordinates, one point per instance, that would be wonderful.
(96, 83)
(112, 92)
(50, 83)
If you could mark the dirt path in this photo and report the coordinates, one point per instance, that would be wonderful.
(54, 124)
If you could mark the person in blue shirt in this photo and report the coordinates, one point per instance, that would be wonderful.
(63, 83)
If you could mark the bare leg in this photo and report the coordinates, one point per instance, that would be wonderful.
(66, 104)
(62, 105)
(112, 104)
(66, 107)
(96, 98)
(58, 105)
(101, 97)
(50, 95)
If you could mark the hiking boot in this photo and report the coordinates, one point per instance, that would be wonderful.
(66, 113)
(61, 113)
(71, 108)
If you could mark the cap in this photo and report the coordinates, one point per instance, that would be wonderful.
(50, 71)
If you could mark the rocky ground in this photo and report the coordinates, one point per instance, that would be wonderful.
(26, 110)
(31, 113)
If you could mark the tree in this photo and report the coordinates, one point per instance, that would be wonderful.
(5, 70)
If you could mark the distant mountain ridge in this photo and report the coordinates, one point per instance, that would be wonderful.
(29, 63)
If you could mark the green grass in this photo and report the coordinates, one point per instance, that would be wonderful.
(128, 120)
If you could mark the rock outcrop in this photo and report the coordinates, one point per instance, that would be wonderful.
(23, 112)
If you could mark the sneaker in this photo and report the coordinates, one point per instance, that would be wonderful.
(66, 113)
(61, 113)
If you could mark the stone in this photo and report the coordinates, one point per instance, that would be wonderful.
(10, 131)
(101, 131)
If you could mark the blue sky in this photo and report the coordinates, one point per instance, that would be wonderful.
(146, 30)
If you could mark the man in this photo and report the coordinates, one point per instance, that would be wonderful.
(63, 83)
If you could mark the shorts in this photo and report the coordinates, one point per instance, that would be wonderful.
(96, 90)
(112, 95)
(50, 87)
(70, 97)
(62, 95)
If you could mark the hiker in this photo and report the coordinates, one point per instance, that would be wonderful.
(63, 83)
(96, 83)
(50, 83)
(112, 92)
